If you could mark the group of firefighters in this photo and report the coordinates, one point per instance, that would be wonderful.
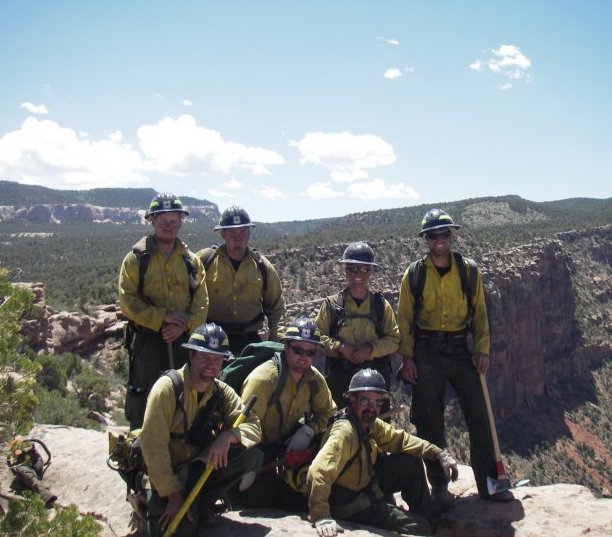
(316, 442)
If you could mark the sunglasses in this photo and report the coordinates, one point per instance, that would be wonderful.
(303, 352)
(358, 268)
(375, 403)
(436, 236)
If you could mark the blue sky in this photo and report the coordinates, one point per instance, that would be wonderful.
(309, 109)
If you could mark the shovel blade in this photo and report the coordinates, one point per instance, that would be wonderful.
(497, 485)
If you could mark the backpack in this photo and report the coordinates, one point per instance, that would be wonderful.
(338, 312)
(144, 258)
(207, 262)
(416, 283)
(253, 355)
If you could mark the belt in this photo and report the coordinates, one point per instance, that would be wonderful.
(441, 334)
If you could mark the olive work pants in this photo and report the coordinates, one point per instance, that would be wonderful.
(339, 372)
(148, 360)
(438, 364)
(240, 461)
(394, 473)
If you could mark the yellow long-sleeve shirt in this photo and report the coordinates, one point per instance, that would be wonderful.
(443, 308)
(340, 444)
(236, 296)
(294, 401)
(163, 455)
(166, 285)
(358, 330)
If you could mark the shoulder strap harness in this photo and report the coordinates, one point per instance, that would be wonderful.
(339, 315)
(416, 282)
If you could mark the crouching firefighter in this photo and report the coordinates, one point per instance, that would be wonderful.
(294, 405)
(184, 435)
(363, 459)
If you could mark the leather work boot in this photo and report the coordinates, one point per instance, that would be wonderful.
(502, 496)
(441, 496)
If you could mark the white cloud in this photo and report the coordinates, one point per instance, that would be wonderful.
(35, 109)
(271, 193)
(219, 193)
(389, 41)
(322, 191)
(507, 61)
(116, 136)
(393, 73)
(182, 147)
(378, 189)
(346, 156)
(233, 184)
(187, 102)
(44, 153)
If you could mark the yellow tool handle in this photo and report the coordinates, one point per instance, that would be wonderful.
(174, 524)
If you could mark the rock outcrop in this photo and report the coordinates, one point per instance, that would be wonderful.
(51, 332)
(79, 475)
(43, 213)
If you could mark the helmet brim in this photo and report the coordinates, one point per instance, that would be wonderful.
(197, 348)
(298, 338)
(440, 226)
(149, 214)
(367, 389)
(220, 227)
(354, 262)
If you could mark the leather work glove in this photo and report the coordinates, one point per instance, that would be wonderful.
(300, 439)
(328, 527)
(449, 465)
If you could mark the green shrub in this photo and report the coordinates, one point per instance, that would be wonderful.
(92, 389)
(17, 372)
(51, 375)
(57, 410)
(30, 518)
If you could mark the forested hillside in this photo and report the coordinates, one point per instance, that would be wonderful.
(79, 263)
(12, 193)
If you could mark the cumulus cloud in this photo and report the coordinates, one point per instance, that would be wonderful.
(393, 73)
(271, 193)
(346, 156)
(44, 153)
(322, 191)
(389, 41)
(187, 102)
(35, 109)
(508, 62)
(234, 184)
(377, 189)
(182, 147)
(219, 193)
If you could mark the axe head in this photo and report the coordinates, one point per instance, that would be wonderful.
(497, 485)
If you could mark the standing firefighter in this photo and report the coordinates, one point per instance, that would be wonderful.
(363, 460)
(163, 294)
(441, 297)
(358, 326)
(243, 285)
(182, 435)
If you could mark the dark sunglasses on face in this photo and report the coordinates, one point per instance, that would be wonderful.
(358, 268)
(303, 352)
(441, 235)
(365, 402)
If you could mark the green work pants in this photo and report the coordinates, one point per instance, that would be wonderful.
(439, 363)
(394, 473)
(218, 484)
(148, 360)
